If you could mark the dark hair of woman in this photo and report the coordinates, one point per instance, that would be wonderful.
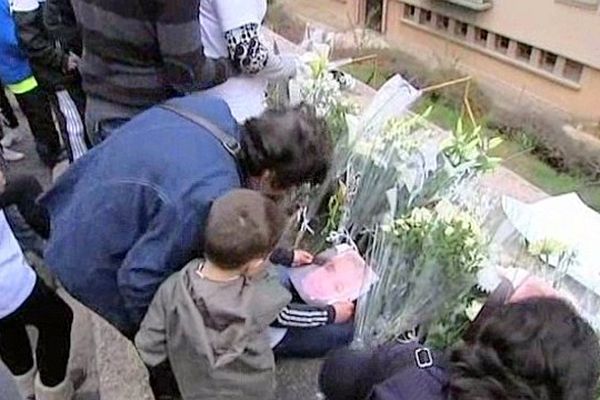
(539, 349)
(294, 144)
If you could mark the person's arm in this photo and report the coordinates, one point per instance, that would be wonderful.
(151, 339)
(23, 192)
(35, 39)
(282, 256)
(151, 343)
(60, 21)
(298, 315)
(246, 47)
(186, 68)
(172, 232)
(289, 257)
(150, 260)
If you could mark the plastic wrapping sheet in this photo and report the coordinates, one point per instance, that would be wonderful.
(565, 219)
(342, 276)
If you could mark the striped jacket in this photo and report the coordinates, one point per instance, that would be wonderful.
(138, 53)
(297, 314)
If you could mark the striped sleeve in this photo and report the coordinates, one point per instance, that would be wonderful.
(297, 315)
(186, 67)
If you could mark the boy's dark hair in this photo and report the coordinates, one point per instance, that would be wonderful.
(242, 225)
(293, 143)
(539, 349)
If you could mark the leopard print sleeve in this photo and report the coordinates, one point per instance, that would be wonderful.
(246, 51)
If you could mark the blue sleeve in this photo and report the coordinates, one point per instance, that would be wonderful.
(171, 238)
(14, 66)
(149, 262)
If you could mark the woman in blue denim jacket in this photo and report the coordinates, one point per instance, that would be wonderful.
(132, 211)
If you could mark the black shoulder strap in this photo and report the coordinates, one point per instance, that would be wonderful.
(229, 143)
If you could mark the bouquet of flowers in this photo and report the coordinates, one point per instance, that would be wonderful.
(320, 89)
(427, 261)
(390, 172)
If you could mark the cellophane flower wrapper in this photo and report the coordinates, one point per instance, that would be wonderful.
(426, 262)
(548, 258)
(349, 163)
(388, 165)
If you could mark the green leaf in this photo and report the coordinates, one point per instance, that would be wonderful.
(459, 127)
(495, 142)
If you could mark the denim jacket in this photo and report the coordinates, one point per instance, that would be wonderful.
(132, 210)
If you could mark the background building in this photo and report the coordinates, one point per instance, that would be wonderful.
(542, 54)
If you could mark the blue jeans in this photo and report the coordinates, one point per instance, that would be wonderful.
(314, 342)
(310, 342)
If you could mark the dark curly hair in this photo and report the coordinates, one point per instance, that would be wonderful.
(539, 349)
(292, 143)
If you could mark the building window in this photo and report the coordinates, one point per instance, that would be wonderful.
(461, 29)
(502, 43)
(573, 71)
(442, 23)
(481, 36)
(425, 17)
(409, 11)
(589, 4)
(524, 52)
(548, 61)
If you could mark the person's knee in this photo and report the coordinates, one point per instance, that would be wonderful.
(343, 334)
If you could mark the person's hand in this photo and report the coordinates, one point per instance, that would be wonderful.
(344, 311)
(302, 257)
(73, 62)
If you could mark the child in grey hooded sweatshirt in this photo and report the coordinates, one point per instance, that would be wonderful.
(209, 320)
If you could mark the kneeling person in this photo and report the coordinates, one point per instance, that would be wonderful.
(209, 320)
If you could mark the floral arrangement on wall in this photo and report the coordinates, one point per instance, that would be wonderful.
(393, 195)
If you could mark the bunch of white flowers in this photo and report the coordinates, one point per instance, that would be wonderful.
(427, 262)
(323, 92)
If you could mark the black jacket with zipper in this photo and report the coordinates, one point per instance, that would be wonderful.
(47, 57)
(60, 21)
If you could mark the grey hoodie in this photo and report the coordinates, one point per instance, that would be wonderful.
(213, 334)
